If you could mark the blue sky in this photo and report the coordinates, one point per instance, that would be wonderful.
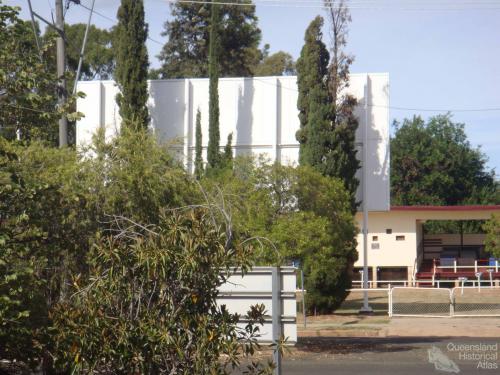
(437, 57)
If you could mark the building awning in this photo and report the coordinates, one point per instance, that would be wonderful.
(468, 212)
(447, 208)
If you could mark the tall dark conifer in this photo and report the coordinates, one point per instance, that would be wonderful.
(341, 159)
(132, 63)
(326, 112)
(213, 152)
(228, 152)
(313, 98)
(198, 159)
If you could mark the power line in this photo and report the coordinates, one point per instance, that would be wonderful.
(114, 21)
(28, 108)
(417, 6)
(397, 108)
(438, 110)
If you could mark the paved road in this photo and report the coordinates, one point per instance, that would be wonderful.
(394, 356)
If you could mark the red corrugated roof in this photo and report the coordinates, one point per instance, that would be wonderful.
(447, 208)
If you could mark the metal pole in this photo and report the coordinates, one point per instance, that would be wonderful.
(366, 307)
(276, 308)
(303, 298)
(34, 30)
(61, 67)
(80, 61)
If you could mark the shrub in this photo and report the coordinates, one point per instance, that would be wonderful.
(492, 241)
(149, 306)
(300, 215)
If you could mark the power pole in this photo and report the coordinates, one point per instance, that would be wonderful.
(61, 68)
(365, 309)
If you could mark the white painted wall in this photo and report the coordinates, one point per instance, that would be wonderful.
(261, 112)
(391, 253)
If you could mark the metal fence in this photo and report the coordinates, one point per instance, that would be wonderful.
(414, 301)
(377, 300)
(474, 301)
(442, 302)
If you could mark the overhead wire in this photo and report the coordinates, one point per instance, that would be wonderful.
(114, 20)
(27, 108)
(324, 4)
(398, 108)
(372, 5)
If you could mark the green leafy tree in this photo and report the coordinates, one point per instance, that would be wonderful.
(213, 152)
(99, 57)
(198, 158)
(41, 207)
(492, 242)
(132, 63)
(28, 89)
(433, 163)
(277, 64)
(299, 215)
(126, 181)
(22, 304)
(186, 54)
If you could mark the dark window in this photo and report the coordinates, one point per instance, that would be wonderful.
(374, 238)
(375, 246)
(391, 273)
(388, 231)
(400, 238)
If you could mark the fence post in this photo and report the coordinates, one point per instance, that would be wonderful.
(303, 298)
(276, 316)
(452, 302)
(390, 301)
(455, 265)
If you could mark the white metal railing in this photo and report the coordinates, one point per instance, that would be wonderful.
(357, 284)
(476, 266)
(373, 283)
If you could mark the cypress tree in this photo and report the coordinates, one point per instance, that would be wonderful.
(198, 159)
(341, 159)
(213, 152)
(312, 70)
(228, 152)
(327, 121)
(132, 63)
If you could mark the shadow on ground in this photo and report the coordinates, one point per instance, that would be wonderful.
(341, 345)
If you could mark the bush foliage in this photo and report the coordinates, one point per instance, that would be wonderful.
(149, 303)
(110, 258)
(300, 216)
(492, 242)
